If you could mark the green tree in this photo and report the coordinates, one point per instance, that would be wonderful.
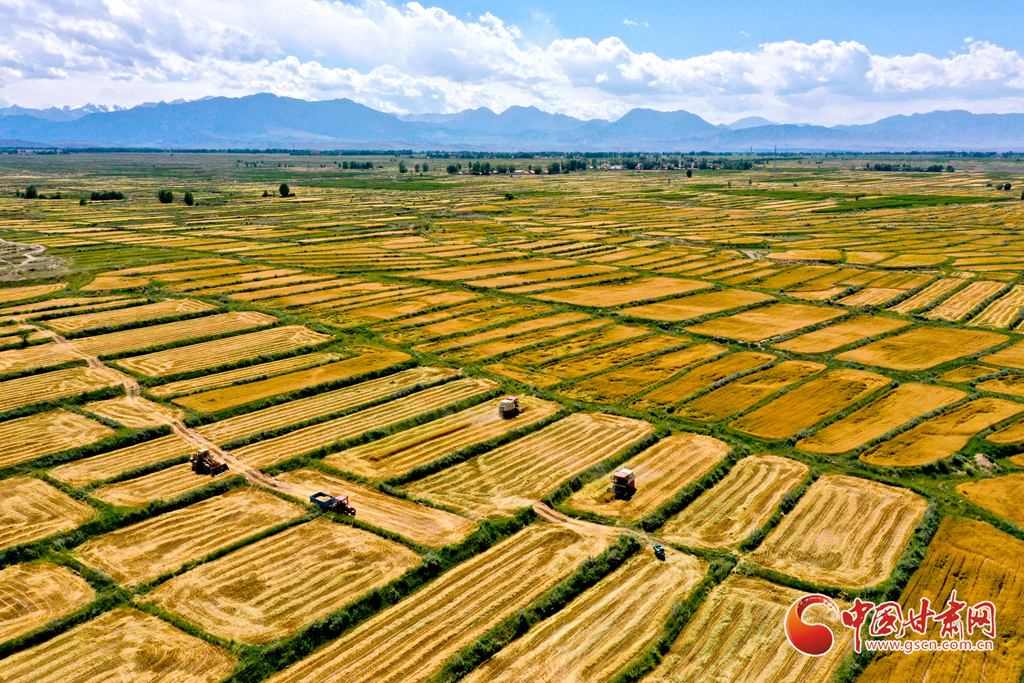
(165, 196)
(554, 168)
(689, 173)
(285, 190)
(82, 202)
(426, 168)
(402, 168)
(31, 192)
(189, 199)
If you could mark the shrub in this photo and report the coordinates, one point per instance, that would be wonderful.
(402, 168)
(285, 190)
(689, 173)
(165, 196)
(82, 202)
(509, 196)
(105, 196)
(31, 192)
(189, 199)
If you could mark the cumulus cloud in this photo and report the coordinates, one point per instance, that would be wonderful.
(415, 58)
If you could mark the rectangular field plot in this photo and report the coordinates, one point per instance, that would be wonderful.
(607, 296)
(901, 405)
(1001, 495)
(661, 471)
(112, 463)
(595, 361)
(52, 386)
(464, 324)
(31, 509)
(143, 551)
(766, 322)
(134, 411)
(223, 351)
(521, 472)
(28, 438)
(519, 341)
(747, 391)
(966, 300)
(737, 635)
(267, 590)
(121, 645)
(943, 435)
(327, 403)
(1010, 357)
(702, 377)
(247, 374)
(927, 295)
(841, 334)
(35, 593)
(697, 305)
(580, 344)
(172, 308)
(1012, 385)
(401, 452)
(810, 403)
(326, 434)
(601, 630)
(419, 523)
(845, 531)
(165, 484)
(543, 323)
(1002, 312)
(732, 509)
(366, 360)
(980, 563)
(410, 641)
(923, 348)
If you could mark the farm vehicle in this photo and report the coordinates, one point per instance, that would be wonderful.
(331, 503)
(508, 407)
(623, 484)
(204, 462)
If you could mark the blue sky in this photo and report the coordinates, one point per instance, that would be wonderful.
(792, 62)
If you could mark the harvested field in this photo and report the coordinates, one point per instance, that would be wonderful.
(966, 300)
(38, 356)
(584, 342)
(765, 322)
(737, 635)
(464, 324)
(898, 407)
(927, 295)
(980, 563)
(923, 348)
(747, 391)
(267, 590)
(841, 334)
(595, 361)
(1001, 495)
(697, 305)
(12, 294)
(104, 283)
(410, 641)
(31, 509)
(223, 351)
(742, 502)
(810, 403)
(134, 411)
(513, 343)
(164, 484)
(143, 551)
(401, 452)
(328, 433)
(966, 373)
(639, 289)
(121, 645)
(28, 438)
(601, 630)
(327, 403)
(1010, 357)
(617, 385)
(1012, 385)
(661, 471)
(521, 472)
(35, 593)
(252, 372)
(367, 359)
(702, 377)
(941, 436)
(52, 386)
(503, 332)
(112, 463)
(1002, 312)
(397, 308)
(171, 308)
(845, 531)
(419, 523)
(537, 379)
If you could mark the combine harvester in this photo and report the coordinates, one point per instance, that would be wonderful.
(331, 503)
(623, 484)
(203, 462)
(508, 407)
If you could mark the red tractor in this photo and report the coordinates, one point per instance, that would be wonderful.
(623, 484)
(331, 503)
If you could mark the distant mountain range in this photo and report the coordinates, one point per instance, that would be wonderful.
(267, 121)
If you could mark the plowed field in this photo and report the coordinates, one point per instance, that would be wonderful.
(122, 645)
(767, 322)
(31, 509)
(661, 471)
(733, 508)
(748, 391)
(403, 451)
(410, 641)
(981, 563)
(845, 531)
(923, 348)
(737, 635)
(896, 408)
(28, 438)
(600, 631)
(518, 473)
(267, 590)
(33, 594)
(143, 551)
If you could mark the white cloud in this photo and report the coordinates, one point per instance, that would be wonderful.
(414, 58)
